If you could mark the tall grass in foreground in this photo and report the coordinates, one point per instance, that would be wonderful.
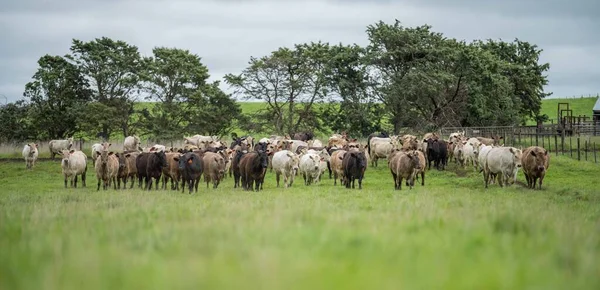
(450, 234)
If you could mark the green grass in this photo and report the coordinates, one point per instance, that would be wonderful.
(580, 106)
(450, 234)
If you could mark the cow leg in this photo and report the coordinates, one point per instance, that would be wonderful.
(132, 182)
(423, 177)
(360, 182)
(541, 179)
(147, 183)
(277, 176)
(98, 188)
(196, 184)
(114, 181)
(399, 181)
(156, 181)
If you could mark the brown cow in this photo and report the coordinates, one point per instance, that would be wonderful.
(171, 171)
(131, 166)
(535, 162)
(495, 140)
(214, 168)
(423, 166)
(336, 165)
(107, 167)
(405, 165)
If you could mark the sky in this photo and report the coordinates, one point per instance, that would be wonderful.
(227, 33)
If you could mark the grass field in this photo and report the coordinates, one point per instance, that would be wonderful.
(449, 234)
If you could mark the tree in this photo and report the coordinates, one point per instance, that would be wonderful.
(16, 123)
(290, 81)
(525, 72)
(172, 77)
(354, 110)
(112, 69)
(213, 111)
(57, 94)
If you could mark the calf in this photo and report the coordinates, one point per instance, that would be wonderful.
(123, 171)
(132, 143)
(253, 166)
(285, 163)
(107, 167)
(30, 153)
(235, 165)
(97, 148)
(214, 168)
(132, 172)
(73, 163)
(422, 166)
(57, 146)
(190, 166)
(535, 161)
(354, 164)
(337, 167)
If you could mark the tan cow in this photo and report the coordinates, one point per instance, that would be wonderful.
(107, 168)
(214, 168)
(171, 171)
(405, 165)
(336, 165)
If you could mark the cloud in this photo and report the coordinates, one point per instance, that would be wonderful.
(226, 33)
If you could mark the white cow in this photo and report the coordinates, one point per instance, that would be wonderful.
(310, 167)
(97, 148)
(132, 143)
(503, 161)
(470, 152)
(324, 158)
(380, 148)
(285, 163)
(200, 140)
(30, 153)
(73, 163)
(315, 143)
(57, 146)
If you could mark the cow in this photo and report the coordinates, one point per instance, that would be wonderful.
(171, 171)
(107, 168)
(285, 163)
(409, 142)
(484, 150)
(382, 134)
(123, 171)
(339, 141)
(190, 167)
(30, 154)
(459, 153)
(214, 168)
(406, 164)
(132, 143)
(380, 148)
(315, 143)
(535, 162)
(238, 154)
(97, 148)
(324, 159)
(74, 163)
(437, 152)
(229, 153)
(56, 147)
(132, 172)
(150, 165)
(309, 167)
(253, 167)
(495, 140)
(471, 151)
(337, 158)
(303, 136)
(503, 161)
(454, 137)
(354, 164)
(422, 167)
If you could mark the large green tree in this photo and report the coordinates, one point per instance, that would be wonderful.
(113, 69)
(291, 81)
(58, 95)
(17, 123)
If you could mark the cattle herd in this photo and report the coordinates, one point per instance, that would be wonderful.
(247, 161)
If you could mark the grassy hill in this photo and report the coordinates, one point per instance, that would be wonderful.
(580, 106)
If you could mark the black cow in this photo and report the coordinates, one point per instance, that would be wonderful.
(253, 167)
(303, 136)
(190, 170)
(437, 152)
(354, 164)
(150, 165)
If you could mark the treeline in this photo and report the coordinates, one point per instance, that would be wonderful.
(405, 77)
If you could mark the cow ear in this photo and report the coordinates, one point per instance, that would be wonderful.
(464, 142)
(97, 152)
(109, 144)
(117, 154)
(111, 153)
(500, 138)
(72, 151)
(176, 158)
(290, 154)
(532, 153)
(545, 152)
(127, 155)
(511, 150)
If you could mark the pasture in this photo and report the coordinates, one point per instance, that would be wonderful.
(451, 234)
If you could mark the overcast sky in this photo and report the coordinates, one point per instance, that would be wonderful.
(226, 33)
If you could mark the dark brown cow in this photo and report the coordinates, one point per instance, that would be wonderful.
(190, 169)
(354, 164)
(253, 167)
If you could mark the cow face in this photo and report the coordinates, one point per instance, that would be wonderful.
(122, 162)
(104, 156)
(162, 158)
(264, 159)
(539, 159)
(414, 159)
(517, 153)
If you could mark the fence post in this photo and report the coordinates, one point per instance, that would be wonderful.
(595, 160)
(578, 149)
(571, 146)
(537, 135)
(556, 143)
(586, 149)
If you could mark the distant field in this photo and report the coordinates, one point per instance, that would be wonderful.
(580, 106)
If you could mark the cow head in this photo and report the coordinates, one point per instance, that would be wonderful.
(540, 157)
(122, 161)
(414, 159)
(263, 159)
(361, 159)
(517, 153)
(104, 156)
(294, 161)
(162, 158)
(66, 154)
